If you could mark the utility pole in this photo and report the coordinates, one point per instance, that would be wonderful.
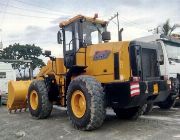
(119, 30)
(118, 25)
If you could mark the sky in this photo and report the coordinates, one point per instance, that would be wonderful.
(37, 21)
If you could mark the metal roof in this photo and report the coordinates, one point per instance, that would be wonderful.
(67, 22)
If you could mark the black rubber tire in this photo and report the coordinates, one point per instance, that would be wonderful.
(130, 113)
(168, 103)
(95, 103)
(44, 105)
(147, 108)
(177, 103)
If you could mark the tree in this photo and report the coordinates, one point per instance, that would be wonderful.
(167, 29)
(23, 52)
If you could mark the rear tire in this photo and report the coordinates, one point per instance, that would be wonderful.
(130, 113)
(95, 111)
(168, 103)
(42, 109)
(177, 102)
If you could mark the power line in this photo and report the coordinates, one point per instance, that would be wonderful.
(28, 9)
(131, 23)
(4, 12)
(123, 19)
(37, 42)
(24, 15)
(128, 21)
(34, 5)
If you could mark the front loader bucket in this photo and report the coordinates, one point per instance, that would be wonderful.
(17, 95)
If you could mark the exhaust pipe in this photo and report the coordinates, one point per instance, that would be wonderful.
(120, 34)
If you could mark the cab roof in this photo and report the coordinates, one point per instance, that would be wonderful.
(95, 20)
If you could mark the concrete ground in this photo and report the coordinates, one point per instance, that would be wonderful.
(159, 125)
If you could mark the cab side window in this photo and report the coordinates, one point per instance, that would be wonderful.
(68, 38)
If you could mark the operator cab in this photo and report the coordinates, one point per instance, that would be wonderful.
(173, 50)
(79, 32)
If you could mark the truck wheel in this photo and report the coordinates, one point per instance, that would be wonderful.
(147, 108)
(168, 103)
(39, 105)
(177, 102)
(86, 103)
(130, 113)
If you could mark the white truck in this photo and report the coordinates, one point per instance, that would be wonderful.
(169, 50)
(6, 74)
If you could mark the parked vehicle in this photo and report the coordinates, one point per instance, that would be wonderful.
(6, 74)
(93, 75)
(169, 50)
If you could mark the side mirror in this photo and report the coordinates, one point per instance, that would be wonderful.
(106, 36)
(59, 40)
(47, 53)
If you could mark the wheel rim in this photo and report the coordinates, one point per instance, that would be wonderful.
(34, 100)
(78, 103)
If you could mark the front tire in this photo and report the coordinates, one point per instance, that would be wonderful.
(39, 105)
(86, 103)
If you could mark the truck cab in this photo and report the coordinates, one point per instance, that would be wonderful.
(78, 33)
(170, 49)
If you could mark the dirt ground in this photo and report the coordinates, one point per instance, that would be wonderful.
(159, 125)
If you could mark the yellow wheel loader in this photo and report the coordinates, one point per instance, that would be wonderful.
(93, 75)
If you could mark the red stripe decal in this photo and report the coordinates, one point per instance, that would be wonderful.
(134, 89)
(135, 94)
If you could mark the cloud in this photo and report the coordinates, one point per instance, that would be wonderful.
(33, 28)
(32, 34)
(53, 28)
(35, 35)
(58, 20)
(12, 36)
(136, 17)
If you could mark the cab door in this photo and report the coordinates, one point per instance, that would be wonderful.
(69, 46)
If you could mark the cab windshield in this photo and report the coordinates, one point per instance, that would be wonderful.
(173, 50)
(79, 34)
(92, 33)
